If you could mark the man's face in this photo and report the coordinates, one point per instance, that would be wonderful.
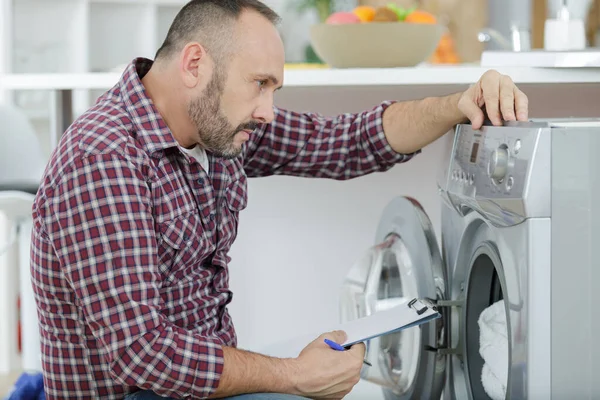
(239, 96)
(216, 131)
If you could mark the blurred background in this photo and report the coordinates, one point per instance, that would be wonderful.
(295, 245)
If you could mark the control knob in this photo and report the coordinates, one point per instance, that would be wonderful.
(498, 166)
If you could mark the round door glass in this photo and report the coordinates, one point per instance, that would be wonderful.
(404, 264)
(398, 352)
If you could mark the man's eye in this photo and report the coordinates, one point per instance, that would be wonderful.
(261, 83)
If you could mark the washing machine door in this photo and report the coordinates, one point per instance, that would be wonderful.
(404, 263)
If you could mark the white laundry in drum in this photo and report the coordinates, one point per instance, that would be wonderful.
(493, 347)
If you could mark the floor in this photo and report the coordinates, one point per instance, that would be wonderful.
(6, 382)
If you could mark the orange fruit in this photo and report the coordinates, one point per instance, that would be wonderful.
(421, 17)
(452, 58)
(436, 58)
(446, 41)
(445, 52)
(365, 13)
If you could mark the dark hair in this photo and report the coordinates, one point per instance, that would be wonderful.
(210, 23)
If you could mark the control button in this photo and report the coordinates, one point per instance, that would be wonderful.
(517, 146)
(509, 183)
(471, 179)
(498, 164)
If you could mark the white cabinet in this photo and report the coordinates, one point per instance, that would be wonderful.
(76, 36)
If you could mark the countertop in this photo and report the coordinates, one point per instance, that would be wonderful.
(326, 77)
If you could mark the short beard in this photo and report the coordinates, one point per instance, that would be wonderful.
(214, 130)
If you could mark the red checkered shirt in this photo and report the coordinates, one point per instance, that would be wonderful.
(131, 235)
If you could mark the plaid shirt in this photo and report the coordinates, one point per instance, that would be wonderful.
(131, 235)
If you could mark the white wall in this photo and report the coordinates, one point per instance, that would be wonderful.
(299, 237)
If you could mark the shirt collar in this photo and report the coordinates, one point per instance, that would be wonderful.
(151, 129)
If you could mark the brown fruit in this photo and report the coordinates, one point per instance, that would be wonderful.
(384, 14)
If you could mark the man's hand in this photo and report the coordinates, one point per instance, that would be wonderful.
(324, 373)
(502, 99)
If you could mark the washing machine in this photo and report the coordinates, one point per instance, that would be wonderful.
(520, 223)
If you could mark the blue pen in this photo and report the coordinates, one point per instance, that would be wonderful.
(337, 347)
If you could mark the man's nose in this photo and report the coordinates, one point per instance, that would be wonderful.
(265, 112)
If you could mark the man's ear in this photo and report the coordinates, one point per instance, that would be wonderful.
(194, 64)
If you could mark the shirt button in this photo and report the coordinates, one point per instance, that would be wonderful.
(212, 216)
(200, 181)
(186, 237)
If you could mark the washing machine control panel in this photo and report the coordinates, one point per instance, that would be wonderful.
(493, 162)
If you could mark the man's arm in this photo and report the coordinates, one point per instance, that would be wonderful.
(247, 372)
(411, 125)
(318, 372)
(352, 145)
(312, 145)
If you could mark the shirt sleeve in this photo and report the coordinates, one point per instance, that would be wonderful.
(311, 145)
(99, 221)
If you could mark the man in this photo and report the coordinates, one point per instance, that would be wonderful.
(139, 207)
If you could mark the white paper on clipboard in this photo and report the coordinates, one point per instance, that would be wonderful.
(406, 315)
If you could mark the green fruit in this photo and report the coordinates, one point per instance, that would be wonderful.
(401, 12)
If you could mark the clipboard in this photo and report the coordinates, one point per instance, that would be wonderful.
(406, 315)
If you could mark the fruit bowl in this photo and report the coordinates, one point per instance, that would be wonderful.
(386, 37)
(376, 44)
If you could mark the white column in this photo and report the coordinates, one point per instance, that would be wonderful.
(5, 43)
(9, 355)
(30, 355)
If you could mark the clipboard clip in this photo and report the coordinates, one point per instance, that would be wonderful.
(421, 305)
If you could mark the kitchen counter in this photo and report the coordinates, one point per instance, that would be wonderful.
(319, 77)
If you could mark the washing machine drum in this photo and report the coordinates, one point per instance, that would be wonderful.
(404, 264)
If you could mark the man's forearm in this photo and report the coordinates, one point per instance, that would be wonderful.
(411, 125)
(247, 372)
